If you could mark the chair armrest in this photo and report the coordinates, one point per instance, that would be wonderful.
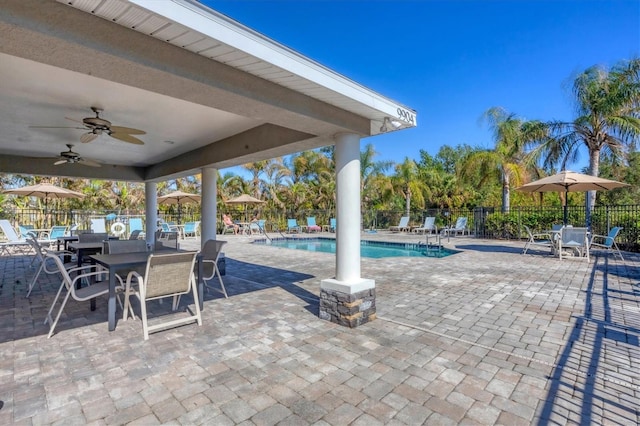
(542, 236)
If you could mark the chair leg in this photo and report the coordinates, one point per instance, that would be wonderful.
(217, 272)
(145, 327)
(53, 326)
(55, 299)
(35, 279)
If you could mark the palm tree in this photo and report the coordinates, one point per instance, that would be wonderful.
(406, 182)
(506, 162)
(608, 121)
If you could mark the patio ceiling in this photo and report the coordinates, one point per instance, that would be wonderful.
(207, 91)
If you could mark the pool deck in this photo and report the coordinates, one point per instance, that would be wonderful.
(485, 336)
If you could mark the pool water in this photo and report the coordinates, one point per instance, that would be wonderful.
(371, 249)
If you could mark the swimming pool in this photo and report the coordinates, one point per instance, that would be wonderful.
(372, 249)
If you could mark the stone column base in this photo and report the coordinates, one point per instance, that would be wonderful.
(350, 310)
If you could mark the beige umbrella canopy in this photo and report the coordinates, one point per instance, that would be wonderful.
(179, 198)
(567, 181)
(44, 190)
(244, 199)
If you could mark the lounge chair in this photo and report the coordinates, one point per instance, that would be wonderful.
(191, 229)
(167, 275)
(311, 225)
(459, 227)
(608, 242)
(98, 225)
(402, 226)
(575, 240)
(14, 243)
(135, 226)
(429, 225)
(542, 239)
(26, 231)
(292, 226)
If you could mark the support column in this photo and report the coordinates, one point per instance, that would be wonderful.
(348, 299)
(151, 212)
(209, 204)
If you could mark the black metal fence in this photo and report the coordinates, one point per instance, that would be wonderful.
(484, 222)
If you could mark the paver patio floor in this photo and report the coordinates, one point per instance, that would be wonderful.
(486, 336)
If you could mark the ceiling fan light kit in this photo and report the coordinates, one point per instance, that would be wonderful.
(70, 157)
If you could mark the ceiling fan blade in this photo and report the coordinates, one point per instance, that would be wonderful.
(88, 137)
(128, 130)
(61, 161)
(73, 119)
(56, 127)
(89, 163)
(126, 138)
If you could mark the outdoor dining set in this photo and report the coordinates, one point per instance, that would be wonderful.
(566, 241)
(96, 264)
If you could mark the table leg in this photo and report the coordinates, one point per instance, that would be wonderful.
(111, 312)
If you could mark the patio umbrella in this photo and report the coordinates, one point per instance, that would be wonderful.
(567, 181)
(46, 191)
(244, 199)
(179, 198)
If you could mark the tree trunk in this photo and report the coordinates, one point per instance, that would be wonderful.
(408, 202)
(594, 170)
(506, 193)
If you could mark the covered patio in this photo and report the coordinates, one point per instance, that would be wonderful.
(485, 336)
(155, 90)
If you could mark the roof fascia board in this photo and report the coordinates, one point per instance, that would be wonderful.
(213, 24)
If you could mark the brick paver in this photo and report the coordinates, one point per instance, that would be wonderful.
(486, 336)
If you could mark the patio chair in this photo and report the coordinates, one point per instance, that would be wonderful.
(191, 229)
(87, 292)
(14, 243)
(98, 225)
(210, 254)
(429, 225)
(311, 225)
(402, 226)
(167, 241)
(541, 239)
(575, 240)
(136, 230)
(459, 227)
(608, 242)
(167, 275)
(44, 265)
(292, 226)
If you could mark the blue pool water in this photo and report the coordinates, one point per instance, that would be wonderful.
(372, 249)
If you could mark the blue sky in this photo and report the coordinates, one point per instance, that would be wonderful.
(452, 60)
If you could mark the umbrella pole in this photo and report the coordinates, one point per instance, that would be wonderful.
(566, 208)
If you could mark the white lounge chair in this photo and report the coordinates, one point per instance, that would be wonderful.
(429, 225)
(459, 227)
(402, 226)
(14, 243)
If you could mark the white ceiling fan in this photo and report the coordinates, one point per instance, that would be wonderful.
(70, 157)
(97, 126)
